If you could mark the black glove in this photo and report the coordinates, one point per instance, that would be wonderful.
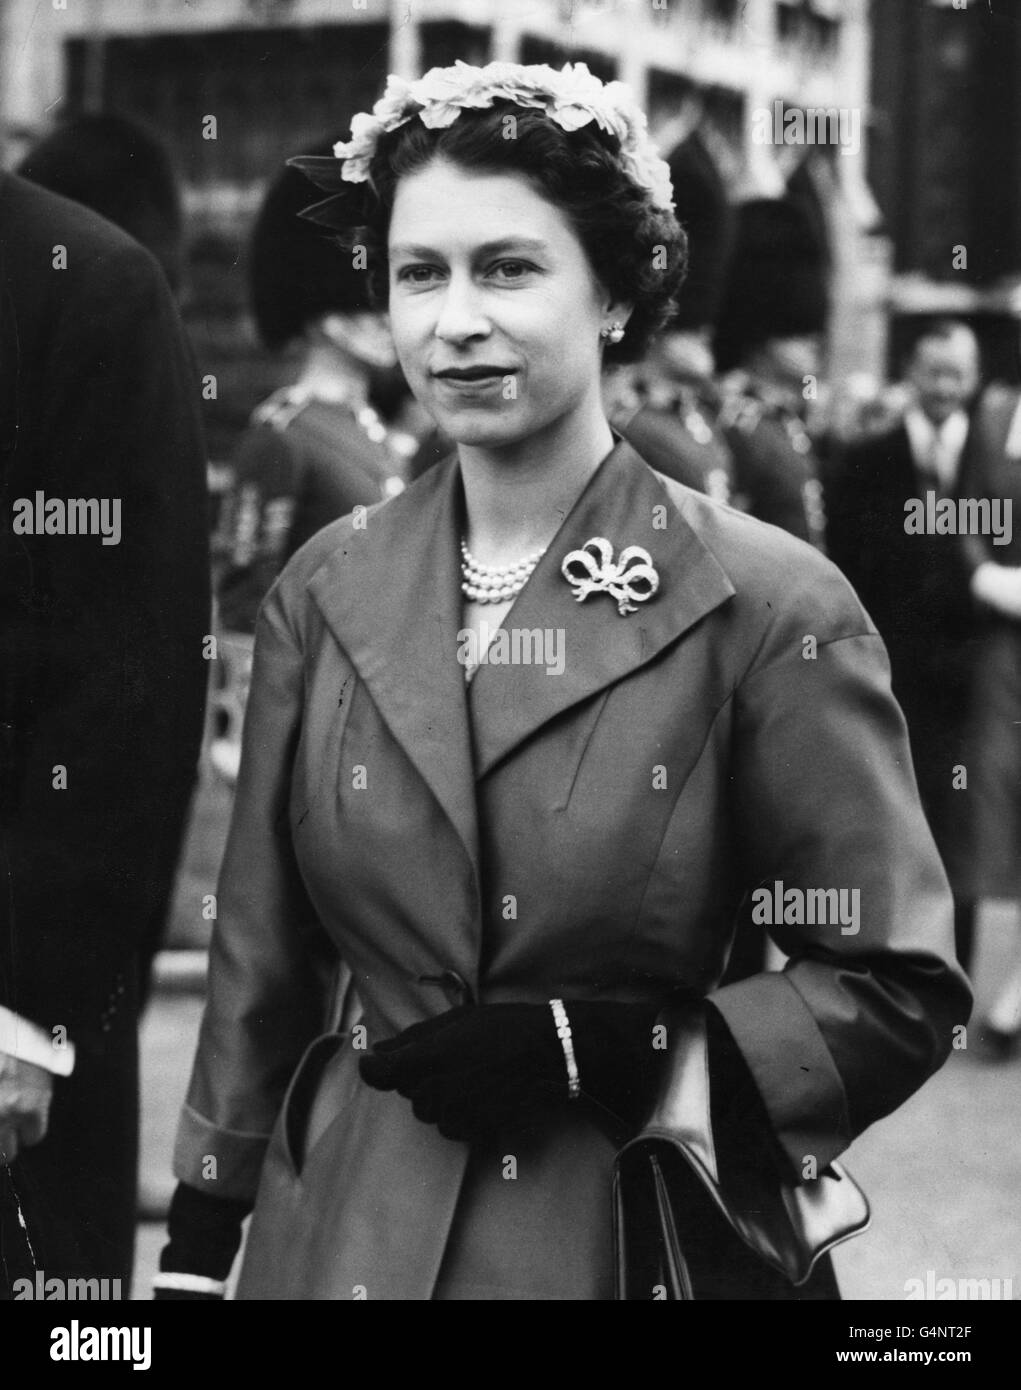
(205, 1232)
(483, 1069)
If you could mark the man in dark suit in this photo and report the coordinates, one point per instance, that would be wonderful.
(991, 473)
(104, 602)
(917, 587)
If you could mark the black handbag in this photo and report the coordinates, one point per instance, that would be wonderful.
(689, 1221)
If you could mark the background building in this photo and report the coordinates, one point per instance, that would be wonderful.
(277, 74)
(945, 163)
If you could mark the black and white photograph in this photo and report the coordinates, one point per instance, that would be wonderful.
(510, 664)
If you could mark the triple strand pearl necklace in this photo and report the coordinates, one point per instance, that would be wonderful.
(495, 584)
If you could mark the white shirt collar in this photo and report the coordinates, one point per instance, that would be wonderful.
(952, 434)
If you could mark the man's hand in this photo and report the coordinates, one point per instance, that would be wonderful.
(25, 1095)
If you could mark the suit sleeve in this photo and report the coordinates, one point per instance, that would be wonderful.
(269, 978)
(825, 798)
(980, 447)
(108, 643)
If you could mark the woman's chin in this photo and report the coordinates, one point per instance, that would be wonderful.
(480, 428)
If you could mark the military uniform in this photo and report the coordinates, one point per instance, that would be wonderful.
(302, 463)
(676, 425)
(777, 471)
(776, 290)
(679, 433)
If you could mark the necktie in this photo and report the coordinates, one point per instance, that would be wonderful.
(937, 462)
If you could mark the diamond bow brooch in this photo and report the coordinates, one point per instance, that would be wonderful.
(629, 580)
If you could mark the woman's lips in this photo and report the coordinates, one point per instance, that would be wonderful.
(473, 379)
(484, 369)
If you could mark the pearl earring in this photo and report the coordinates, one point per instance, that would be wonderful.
(613, 334)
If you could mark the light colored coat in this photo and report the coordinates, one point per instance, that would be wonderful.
(587, 835)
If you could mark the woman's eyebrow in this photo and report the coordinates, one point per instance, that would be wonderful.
(488, 248)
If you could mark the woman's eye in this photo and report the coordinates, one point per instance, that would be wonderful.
(416, 274)
(512, 270)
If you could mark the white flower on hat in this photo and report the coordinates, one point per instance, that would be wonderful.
(392, 106)
(358, 151)
(578, 97)
(572, 97)
(443, 93)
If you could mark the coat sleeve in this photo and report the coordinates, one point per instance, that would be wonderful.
(270, 977)
(825, 798)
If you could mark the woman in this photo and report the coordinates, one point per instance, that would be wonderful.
(522, 871)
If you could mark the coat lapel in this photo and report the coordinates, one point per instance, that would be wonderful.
(391, 596)
(626, 503)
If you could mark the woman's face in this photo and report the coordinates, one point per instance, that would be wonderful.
(494, 308)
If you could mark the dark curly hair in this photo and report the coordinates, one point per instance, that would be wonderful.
(637, 251)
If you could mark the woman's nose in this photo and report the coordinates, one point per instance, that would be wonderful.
(461, 314)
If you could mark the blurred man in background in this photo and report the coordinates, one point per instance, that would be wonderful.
(991, 470)
(917, 587)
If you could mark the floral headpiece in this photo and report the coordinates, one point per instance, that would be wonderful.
(571, 97)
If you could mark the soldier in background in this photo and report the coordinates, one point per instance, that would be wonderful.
(769, 339)
(917, 587)
(317, 448)
(677, 430)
